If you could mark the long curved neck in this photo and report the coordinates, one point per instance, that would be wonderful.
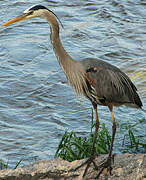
(73, 69)
(63, 57)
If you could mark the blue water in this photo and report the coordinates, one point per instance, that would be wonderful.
(36, 103)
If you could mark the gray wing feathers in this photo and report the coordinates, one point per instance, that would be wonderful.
(114, 86)
(110, 83)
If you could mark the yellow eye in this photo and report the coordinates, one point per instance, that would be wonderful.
(30, 13)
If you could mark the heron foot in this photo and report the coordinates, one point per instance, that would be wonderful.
(107, 164)
(88, 162)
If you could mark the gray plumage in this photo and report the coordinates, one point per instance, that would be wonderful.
(99, 81)
(110, 84)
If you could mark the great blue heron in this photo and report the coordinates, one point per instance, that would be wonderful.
(99, 81)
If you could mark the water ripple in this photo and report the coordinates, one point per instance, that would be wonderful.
(36, 102)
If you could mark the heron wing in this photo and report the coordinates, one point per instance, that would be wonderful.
(110, 83)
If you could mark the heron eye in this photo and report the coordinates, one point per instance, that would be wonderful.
(30, 13)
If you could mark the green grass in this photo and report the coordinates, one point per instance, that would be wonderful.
(131, 142)
(73, 147)
(4, 165)
(135, 143)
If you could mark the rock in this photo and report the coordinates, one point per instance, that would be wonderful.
(125, 167)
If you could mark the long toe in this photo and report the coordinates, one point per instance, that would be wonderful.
(87, 162)
(80, 165)
(93, 169)
(107, 164)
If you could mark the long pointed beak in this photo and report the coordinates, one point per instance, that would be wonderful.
(19, 18)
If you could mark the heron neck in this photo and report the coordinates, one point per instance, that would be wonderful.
(63, 57)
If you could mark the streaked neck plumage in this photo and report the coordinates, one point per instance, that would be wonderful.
(63, 57)
(74, 70)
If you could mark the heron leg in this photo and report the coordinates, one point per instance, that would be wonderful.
(96, 129)
(107, 163)
(94, 140)
(113, 129)
(90, 160)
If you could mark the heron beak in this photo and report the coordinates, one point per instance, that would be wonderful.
(19, 18)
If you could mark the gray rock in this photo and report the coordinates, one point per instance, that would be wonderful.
(125, 167)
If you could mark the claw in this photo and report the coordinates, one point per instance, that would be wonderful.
(106, 165)
(76, 168)
(88, 162)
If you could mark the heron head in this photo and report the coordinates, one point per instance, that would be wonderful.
(33, 11)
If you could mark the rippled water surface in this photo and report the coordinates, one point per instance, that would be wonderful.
(35, 99)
